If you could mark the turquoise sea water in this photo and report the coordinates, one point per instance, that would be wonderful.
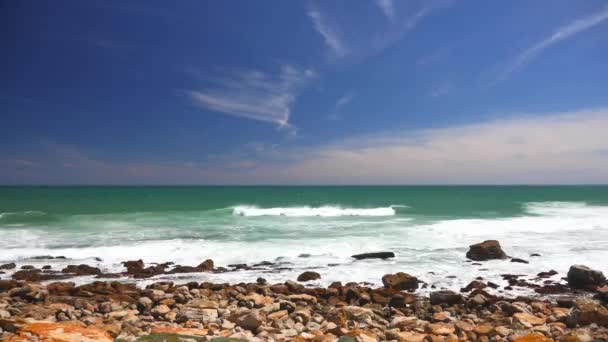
(428, 227)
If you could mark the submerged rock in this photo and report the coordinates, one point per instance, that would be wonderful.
(8, 266)
(308, 276)
(583, 277)
(375, 255)
(487, 250)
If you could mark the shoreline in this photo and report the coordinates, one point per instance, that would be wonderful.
(37, 304)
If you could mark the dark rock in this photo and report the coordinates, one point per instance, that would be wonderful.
(261, 281)
(206, 265)
(521, 261)
(134, 265)
(475, 284)
(7, 284)
(308, 276)
(547, 274)
(46, 267)
(8, 266)
(401, 300)
(535, 255)
(375, 255)
(81, 270)
(400, 281)
(184, 269)
(445, 297)
(27, 267)
(36, 275)
(60, 288)
(486, 250)
(493, 285)
(585, 312)
(304, 255)
(582, 277)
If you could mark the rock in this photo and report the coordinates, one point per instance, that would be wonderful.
(61, 332)
(583, 277)
(487, 250)
(206, 265)
(8, 266)
(586, 311)
(400, 281)
(37, 275)
(7, 284)
(159, 329)
(410, 336)
(547, 274)
(445, 297)
(535, 337)
(60, 288)
(441, 328)
(375, 255)
(133, 265)
(160, 310)
(483, 329)
(81, 270)
(528, 320)
(474, 285)
(250, 321)
(308, 276)
(521, 261)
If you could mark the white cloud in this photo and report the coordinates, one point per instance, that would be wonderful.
(328, 32)
(254, 95)
(387, 7)
(546, 148)
(344, 100)
(560, 34)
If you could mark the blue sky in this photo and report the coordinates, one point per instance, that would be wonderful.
(304, 92)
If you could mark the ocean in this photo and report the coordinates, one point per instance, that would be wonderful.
(429, 228)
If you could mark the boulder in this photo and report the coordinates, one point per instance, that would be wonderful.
(487, 250)
(583, 277)
(81, 270)
(586, 311)
(250, 321)
(60, 332)
(8, 266)
(375, 255)
(521, 261)
(206, 265)
(308, 276)
(534, 337)
(445, 297)
(400, 281)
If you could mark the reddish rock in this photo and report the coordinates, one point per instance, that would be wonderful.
(60, 332)
(400, 281)
(486, 250)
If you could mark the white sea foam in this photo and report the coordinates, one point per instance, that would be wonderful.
(563, 233)
(306, 211)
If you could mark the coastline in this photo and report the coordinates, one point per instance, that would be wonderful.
(42, 304)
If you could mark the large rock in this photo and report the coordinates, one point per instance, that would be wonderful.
(375, 255)
(81, 270)
(60, 332)
(487, 250)
(587, 311)
(308, 276)
(400, 281)
(583, 277)
(250, 321)
(206, 265)
(445, 297)
(8, 266)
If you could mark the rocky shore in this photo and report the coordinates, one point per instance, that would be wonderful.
(43, 305)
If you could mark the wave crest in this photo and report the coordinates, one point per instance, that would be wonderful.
(306, 211)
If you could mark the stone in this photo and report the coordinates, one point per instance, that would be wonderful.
(535, 337)
(206, 265)
(474, 285)
(160, 310)
(8, 266)
(587, 311)
(308, 276)
(410, 336)
(81, 270)
(61, 332)
(521, 261)
(487, 250)
(375, 255)
(528, 320)
(159, 329)
(250, 321)
(483, 329)
(400, 281)
(441, 328)
(583, 277)
(445, 297)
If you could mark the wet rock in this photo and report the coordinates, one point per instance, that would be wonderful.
(521, 261)
(445, 297)
(8, 266)
(487, 250)
(400, 281)
(27, 267)
(375, 255)
(583, 277)
(81, 270)
(206, 265)
(547, 274)
(36, 276)
(474, 285)
(308, 276)
(535, 255)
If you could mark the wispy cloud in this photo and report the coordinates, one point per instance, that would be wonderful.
(562, 33)
(343, 101)
(327, 32)
(254, 94)
(387, 7)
